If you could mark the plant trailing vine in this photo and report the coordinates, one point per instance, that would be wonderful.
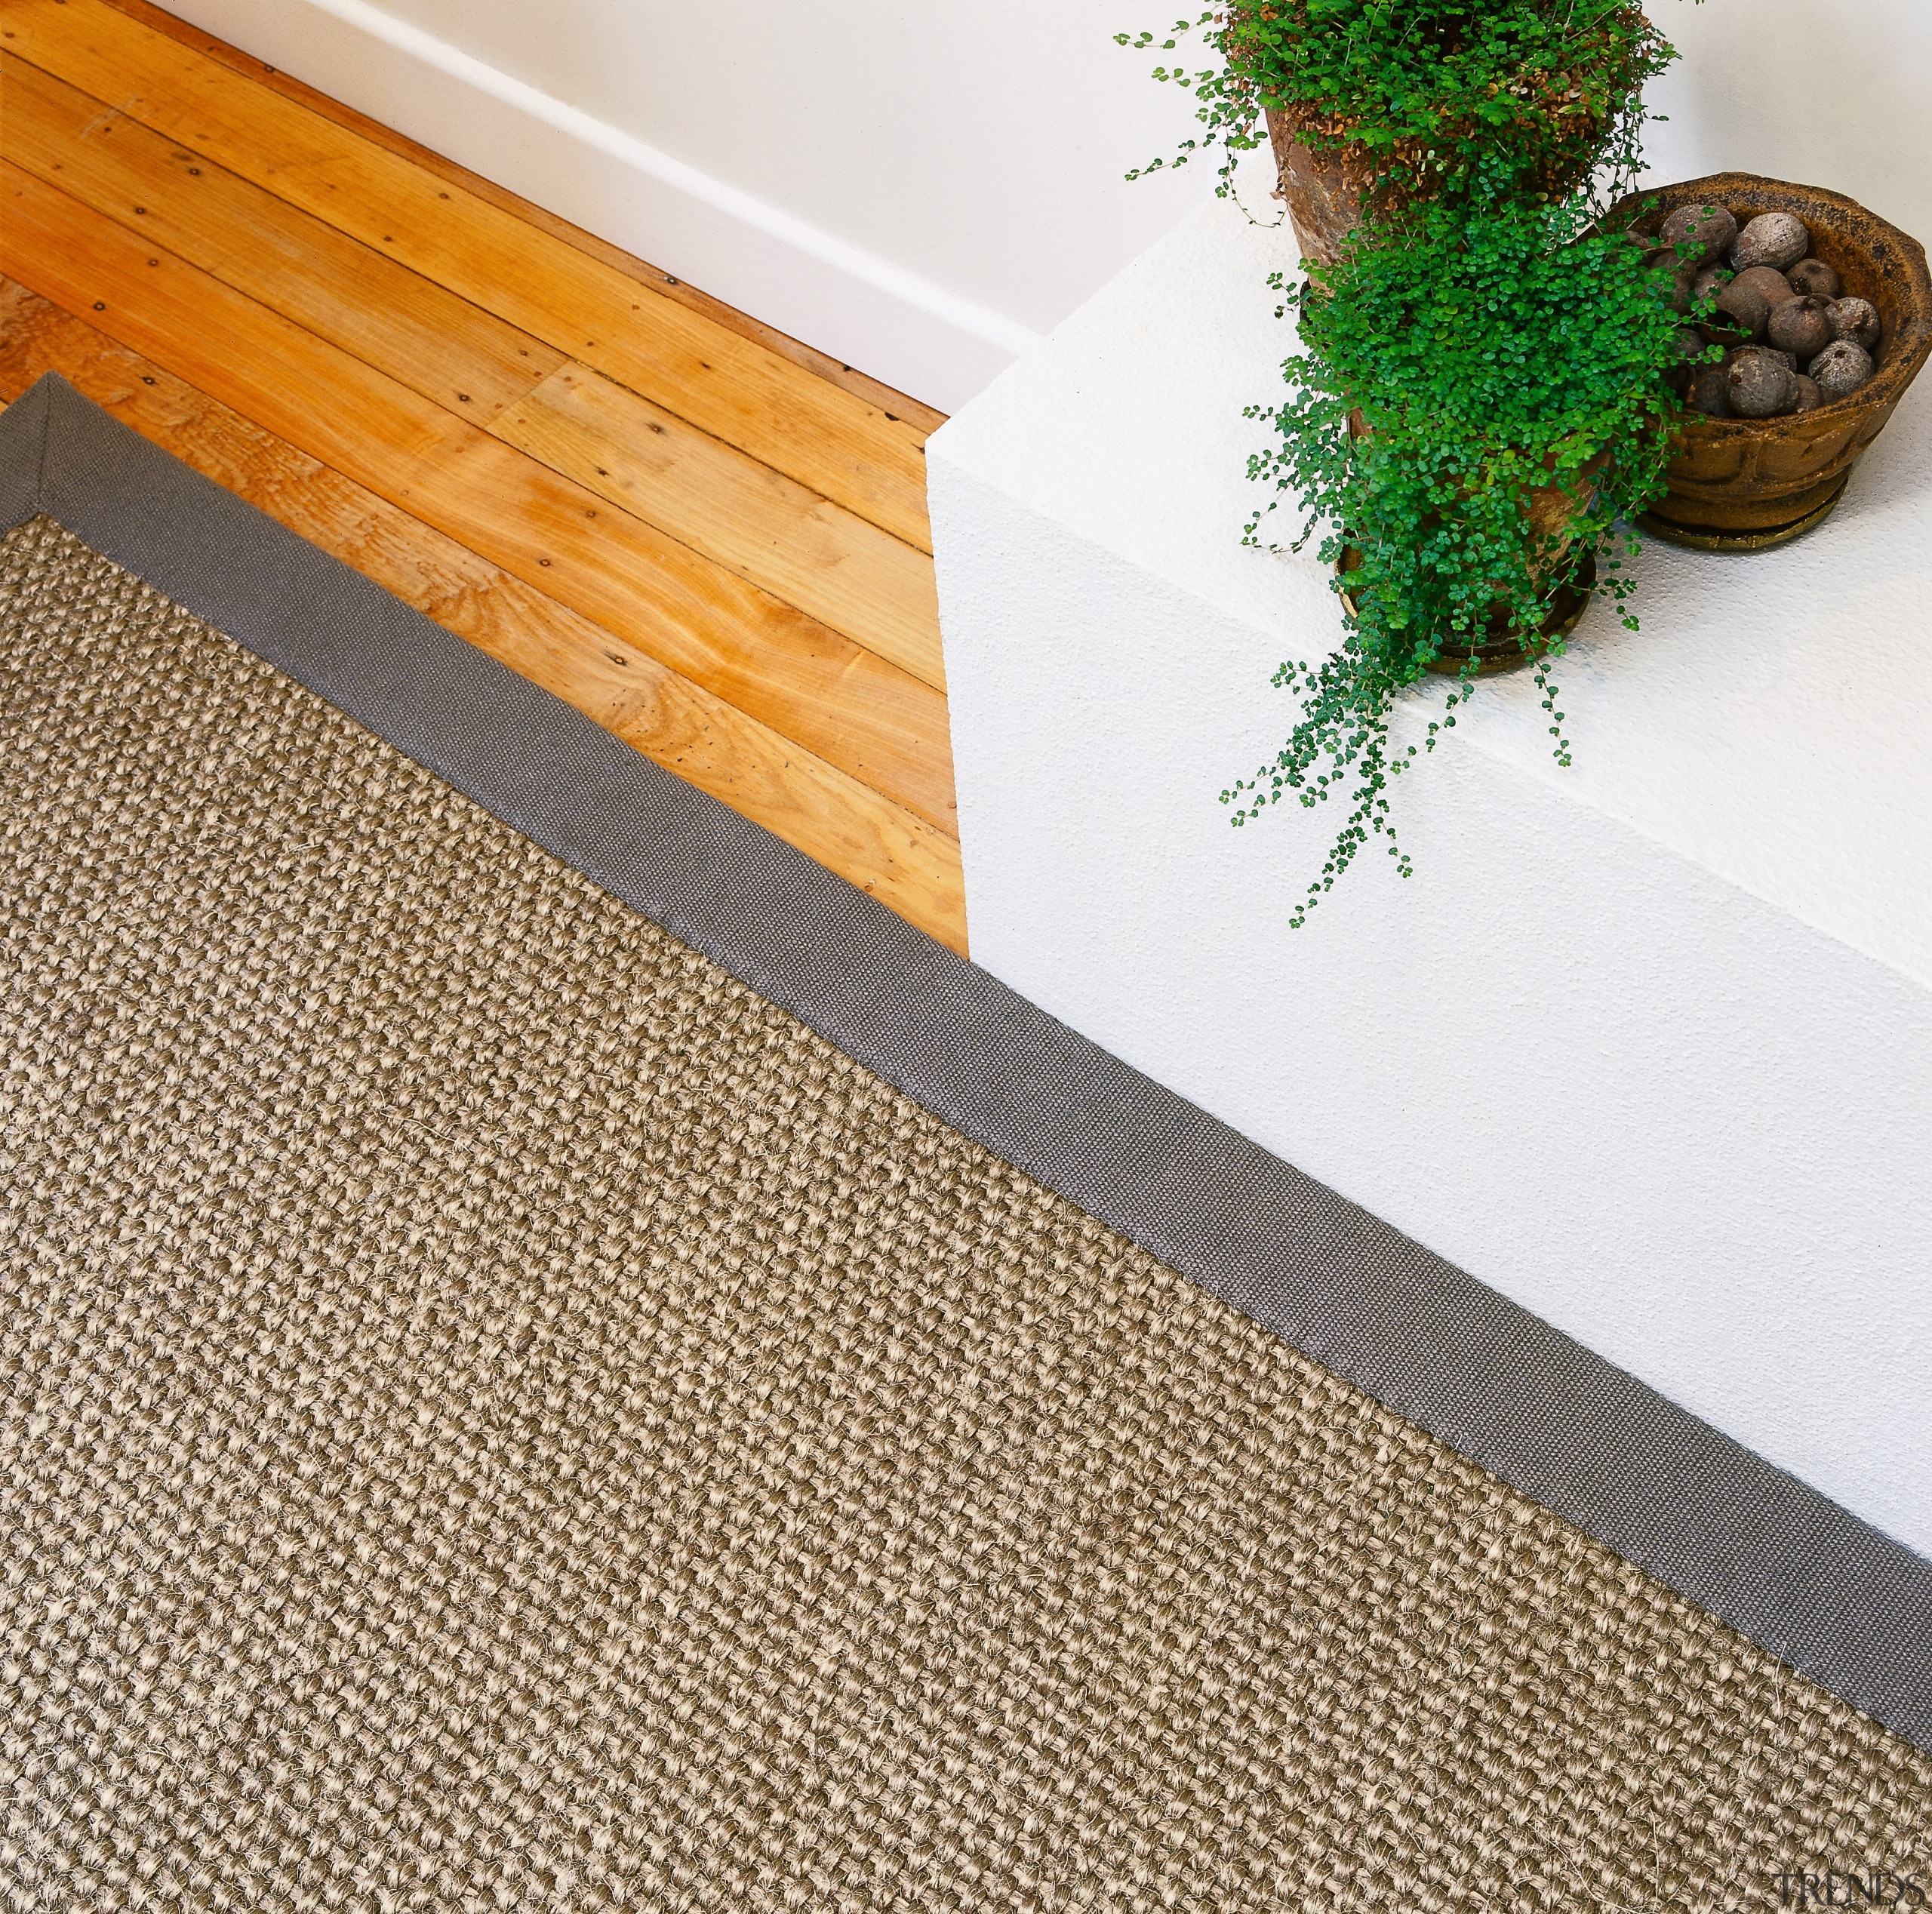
(1478, 406)
(1484, 386)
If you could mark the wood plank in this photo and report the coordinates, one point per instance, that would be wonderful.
(842, 703)
(443, 347)
(906, 863)
(924, 419)
(766, 528)
(727, 384)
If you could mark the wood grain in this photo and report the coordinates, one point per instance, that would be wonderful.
(730, 386)
(909, 865)
(871, 719)
(766, 528)
(443, 347)
(923, 420)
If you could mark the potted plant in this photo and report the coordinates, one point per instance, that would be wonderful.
(1372, 105)
(1488, 379)
(1478, 399)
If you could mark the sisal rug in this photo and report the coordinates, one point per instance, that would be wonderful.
(494, 1414)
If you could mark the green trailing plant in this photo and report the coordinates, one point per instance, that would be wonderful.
(1484, 387)
(1451, 376)
(1454, 98)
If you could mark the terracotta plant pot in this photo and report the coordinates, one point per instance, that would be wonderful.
(1551, 509)
(1746, 483)
(1504, 647)
(1325, 187)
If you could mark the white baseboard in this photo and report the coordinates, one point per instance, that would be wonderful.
(863, 310)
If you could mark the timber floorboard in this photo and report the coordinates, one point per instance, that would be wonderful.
(708, 538)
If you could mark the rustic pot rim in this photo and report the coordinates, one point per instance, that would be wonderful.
(1907, 344)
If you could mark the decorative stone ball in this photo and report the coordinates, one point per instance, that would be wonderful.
(1777, 239)
(1683, 294)
(1709, 392)
(1841, 369)
(1742, 313)
(1857, 320)
(1812, 279)
(1768, 281)
(1691, 344)
(1809, 397)
(1787, 360)
(1801, 326)
(1710, 279)
(1709, 229)
(1657, 259)
(1760, 386)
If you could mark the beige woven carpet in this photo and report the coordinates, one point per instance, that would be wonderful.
(492, 1415)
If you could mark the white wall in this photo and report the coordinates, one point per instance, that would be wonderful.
(981, 146)
(1827, 93)
(920, 188)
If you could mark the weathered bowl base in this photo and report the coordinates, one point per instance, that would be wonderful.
(1762, 538)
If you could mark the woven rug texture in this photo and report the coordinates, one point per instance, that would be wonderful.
(492, 1414)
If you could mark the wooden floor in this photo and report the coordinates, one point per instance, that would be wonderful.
(708, 538)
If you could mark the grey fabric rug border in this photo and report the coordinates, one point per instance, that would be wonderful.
(1785, 1566)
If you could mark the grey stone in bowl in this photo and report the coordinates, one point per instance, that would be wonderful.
(1779, 239)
